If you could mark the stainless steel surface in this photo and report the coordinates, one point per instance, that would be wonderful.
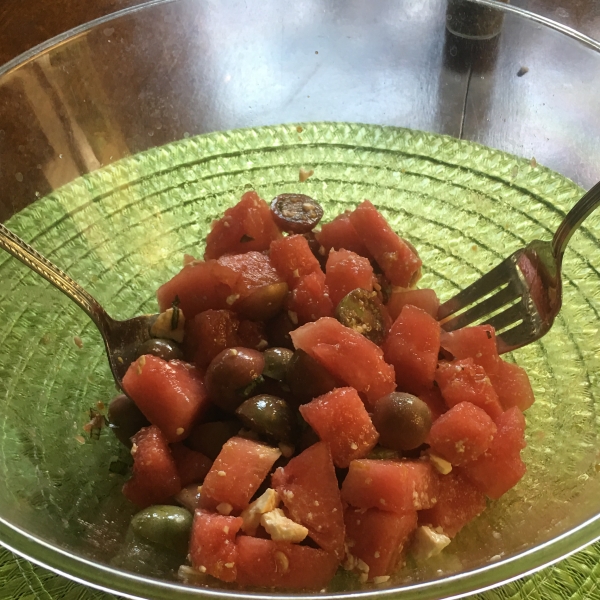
(120, 337)
(519, 303)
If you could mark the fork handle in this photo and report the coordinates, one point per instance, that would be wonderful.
(575, 217)
(42, 266)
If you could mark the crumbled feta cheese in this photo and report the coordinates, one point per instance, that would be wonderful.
(441, 465)
(221, 473)
(224, 508)
(381, 579)
(353, 446)
(282, 529)
(428, 543)
(252, 514)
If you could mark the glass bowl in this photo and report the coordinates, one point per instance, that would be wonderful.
(123, 139)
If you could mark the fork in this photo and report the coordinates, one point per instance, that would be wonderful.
(121, 338)
(522, 295)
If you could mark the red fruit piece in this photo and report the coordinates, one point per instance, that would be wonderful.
(236, 474)
(309, 489)
(170, 394)
(466, 381)
(155, 477)
(396, 486)
(478, 343)
(268, 564)
(346, 271)
(512, 385)
(212, 545)
(209, 333)
(347, 355)
(310, 298)
(340, 419)
(434, 400)
(378, 538)
(293, 259)
(424, 299)
(340, 233)
(192, 466)
(398, 259)
(462, 434)
(244, 227)
(412, 347)
(500, 467)
(458, 502)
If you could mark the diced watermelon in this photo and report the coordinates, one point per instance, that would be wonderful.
(170, 394)
(434, 400)
(209, 333)
(378, 538)
(310, 298)
(462, 434)
(268, 564)
(246, 226)
(347, 271)
(237, 472)
(478, 343)
(458, 502)
(500, 468)
(412, 347)
(465, 381)
(512, 385)
(396, 486)
(155, 477)
(398, 259)
(340, 419)
(309, 489)
(213, 549)
(424, 299)
(293, 259)
(340, 233)
(251, 334)
(347, 355)
(192, 466)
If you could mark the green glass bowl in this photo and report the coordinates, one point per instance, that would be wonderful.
(121, 230)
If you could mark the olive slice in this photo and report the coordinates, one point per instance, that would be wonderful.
(308, 378)
(269, 416)
(360, 310)
(277, 361)
(163, 348)
(296, 213)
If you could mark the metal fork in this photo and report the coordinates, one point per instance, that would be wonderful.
(523, 294)
(121, 338)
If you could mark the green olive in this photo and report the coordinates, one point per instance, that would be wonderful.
(263, 303)
(125, 419)
(231, 374)
(164, 525)
(269, 416)
(296, 213)
(361, 310)
(209, 438)
(277, 361)
(381, 453)
(308, 378)
(165, 349)
(278, 331)
(402, 420)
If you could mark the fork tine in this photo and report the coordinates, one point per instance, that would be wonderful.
(515, 313)
(489, 305)
(518, 336)
(482, 287)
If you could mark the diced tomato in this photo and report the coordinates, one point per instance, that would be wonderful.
(458, 502)
(478, 343)
(212, 545)
(500, 468)
(293, 259)
(466, 381)
(309, 489)
(347, 355)
(512, 385)
(424, 299)
(345, 272)
(397, 486)
(434, 400)
(236, 474)
(398, 259)
(462, 434)
(170, 394)
(412, 347)
(192, 466)
(378, 538)
(209, 333)
(155, 477)
(310, 298)
(268, 564)
(340, 419)
(246, 226)
(340, 233)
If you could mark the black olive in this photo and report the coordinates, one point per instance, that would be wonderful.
(308, 378)
(277, 361)
(209, 438)
(125, 419)
(165, 349)
(296, 213)
(278, 331)
(269, 416)
(402, 420)
(361, 311)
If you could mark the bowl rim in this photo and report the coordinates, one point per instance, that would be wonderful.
(108, 579)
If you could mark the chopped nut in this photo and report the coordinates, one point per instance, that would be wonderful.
(78, 342)
(252, 514)
(180, 431)
(140, 364)
(232, 299)
(305, 174)
(230, 565)
(221, 473)
(283, 563)
(282, 529)
(287, 450)
(224, 508)
(293, 317)
(441, 465)
(353, 446)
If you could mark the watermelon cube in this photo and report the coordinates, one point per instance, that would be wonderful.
(192, 466)
(293, 259)
(310, 299)
(340, 419)
(347, 271)
(340, 233)
(424, 299)
(462, 434)
(435, 401)
(208, 333)
(478, 343)
(512, 385)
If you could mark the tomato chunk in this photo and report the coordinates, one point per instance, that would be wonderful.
(345, 272)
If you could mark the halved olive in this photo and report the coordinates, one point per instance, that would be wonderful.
(165, 349)
(269, 416)
(125, 419)
(278, 331)
(165, 525)
(230, 376)
(277, 361)
(381, 453)
(360, 310)
(296, 213)
(402, 420)
(209, 438)
(264, 302)
(308, 378)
